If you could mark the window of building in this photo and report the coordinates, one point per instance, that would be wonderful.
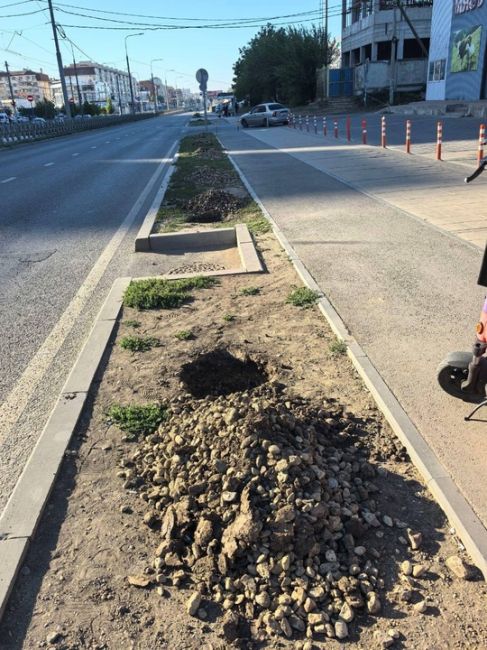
(436, 70)
(383, 50)
(412, 49)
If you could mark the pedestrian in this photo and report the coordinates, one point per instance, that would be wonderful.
(225, 110)
(236, 108)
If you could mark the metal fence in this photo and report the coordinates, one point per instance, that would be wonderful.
(13, 133)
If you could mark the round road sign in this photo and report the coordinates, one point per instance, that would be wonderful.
(30, 98)
(201, 76)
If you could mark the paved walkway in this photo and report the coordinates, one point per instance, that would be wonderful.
(405, 289)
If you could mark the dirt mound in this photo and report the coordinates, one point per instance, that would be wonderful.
(203, 146)
(212, 205)
(260, 502)
(210, 177)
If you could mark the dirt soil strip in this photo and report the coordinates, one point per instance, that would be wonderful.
(73, 590)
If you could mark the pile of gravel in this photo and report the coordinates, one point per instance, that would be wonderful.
(261, 501)
(212, 205)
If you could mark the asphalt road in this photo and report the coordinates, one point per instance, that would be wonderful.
(69, 211)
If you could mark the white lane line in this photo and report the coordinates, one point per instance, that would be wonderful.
(48, 164)
(18, 398)
(107, 141)
(75, 154)
(94, 147)
(8, 180)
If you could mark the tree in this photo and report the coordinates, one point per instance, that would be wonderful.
(280, 64)
(109, 106)
(45, 109)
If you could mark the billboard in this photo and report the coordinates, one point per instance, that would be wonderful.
(465, 49)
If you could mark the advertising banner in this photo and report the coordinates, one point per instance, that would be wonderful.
(465, 49)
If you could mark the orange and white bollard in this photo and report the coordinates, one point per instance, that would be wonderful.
(335, 128)
(349, 129)
(408, 136)
(315, 124)
(364, 131)
(480, 153)
(383, 133)
(307, 123)
(325, 128)
(439, 139)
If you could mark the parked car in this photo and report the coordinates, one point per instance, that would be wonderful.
(38, 120)
(268, 114)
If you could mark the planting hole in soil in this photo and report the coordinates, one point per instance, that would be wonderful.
(219, 372)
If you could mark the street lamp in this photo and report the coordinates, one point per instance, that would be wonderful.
(153, 86)
(128, 69)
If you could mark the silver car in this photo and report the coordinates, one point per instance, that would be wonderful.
(267, 114)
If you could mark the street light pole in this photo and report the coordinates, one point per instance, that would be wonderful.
(12, 97)
(67, 107)
(128, 70)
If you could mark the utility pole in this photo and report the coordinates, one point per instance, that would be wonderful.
(12, 98)
(325, 7)
(411, 27)
(128, 70)
(67, 107)
(119, 95)
(392, 81)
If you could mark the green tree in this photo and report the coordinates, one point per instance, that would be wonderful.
(280, 64)
(45, 109)
(109, 106)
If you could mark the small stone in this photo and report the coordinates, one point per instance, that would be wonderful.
(421, 607)
(373, 603)
(346, 613)
(202, 613)
(139, 581)
(407, 567)
(419, 570)
(341, 630)
(388, 521)
(394, 634)
(286, 562)
(274, 450)
(415, 539)
(458, 567)
(54, 637)
(263, 599)
(371, 519)
(162, 592)
(330, 556)
(193, 603)
(228, 497)
(297, 623)
(286, 627)
(126, 509)
(360, 550)
(309, 605)
(308, 645)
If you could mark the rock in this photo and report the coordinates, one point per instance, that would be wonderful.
(54, 637)
(139, 581)
(229, 497)
(263, 599)
(341, 630)
(458, 567)
(308, 645)
(415, 539)
(388, 521)
(126, 509)
(274, 450)
(202, 613)
(420, 607)
(346, 613)
(371, 519)
(193, 603)
(373, 603)
(419, 570)
(407, 567)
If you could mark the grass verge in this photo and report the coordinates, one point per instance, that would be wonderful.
(155, 293)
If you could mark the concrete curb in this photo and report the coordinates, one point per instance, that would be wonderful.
(24, 509)
(142, 241)
(456, 508)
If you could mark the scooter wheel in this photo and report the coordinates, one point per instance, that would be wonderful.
(450, 378)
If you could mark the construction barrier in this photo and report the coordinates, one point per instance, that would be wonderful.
(480, 153)
(408, 136)
(335, 128)
(325, 129)
(349, 129)
(364, 131)
(383, 136)
(439, 139)
(315, 124)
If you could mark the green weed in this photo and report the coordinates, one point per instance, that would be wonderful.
(338, 347)
(137, 420)
(138, 343)
(228, 318)
(302, 297)
(249, 291)
(132, 323)
(184, 335)
(163, 294)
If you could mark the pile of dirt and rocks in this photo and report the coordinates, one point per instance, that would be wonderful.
(212, 205)
(204, 147)
(262, 503)
(210, 177)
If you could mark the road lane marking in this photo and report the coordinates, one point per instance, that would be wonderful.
(94, 147)
(107, 141)
(48, 164)
(75, 154)
(8, 180)
(18, 398)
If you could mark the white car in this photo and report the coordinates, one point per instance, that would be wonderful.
(267, 114)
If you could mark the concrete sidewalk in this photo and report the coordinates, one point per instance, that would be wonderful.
(430, 190)
(406, 290)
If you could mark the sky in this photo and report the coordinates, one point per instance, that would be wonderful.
(26, 41)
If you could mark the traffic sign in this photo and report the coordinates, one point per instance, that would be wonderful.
(30, 98)
(202, 76)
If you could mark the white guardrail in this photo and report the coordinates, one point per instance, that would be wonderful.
(15, 133)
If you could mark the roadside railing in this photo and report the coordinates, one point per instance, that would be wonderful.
(13, 133)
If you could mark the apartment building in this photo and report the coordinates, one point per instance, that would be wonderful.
(25, 83)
